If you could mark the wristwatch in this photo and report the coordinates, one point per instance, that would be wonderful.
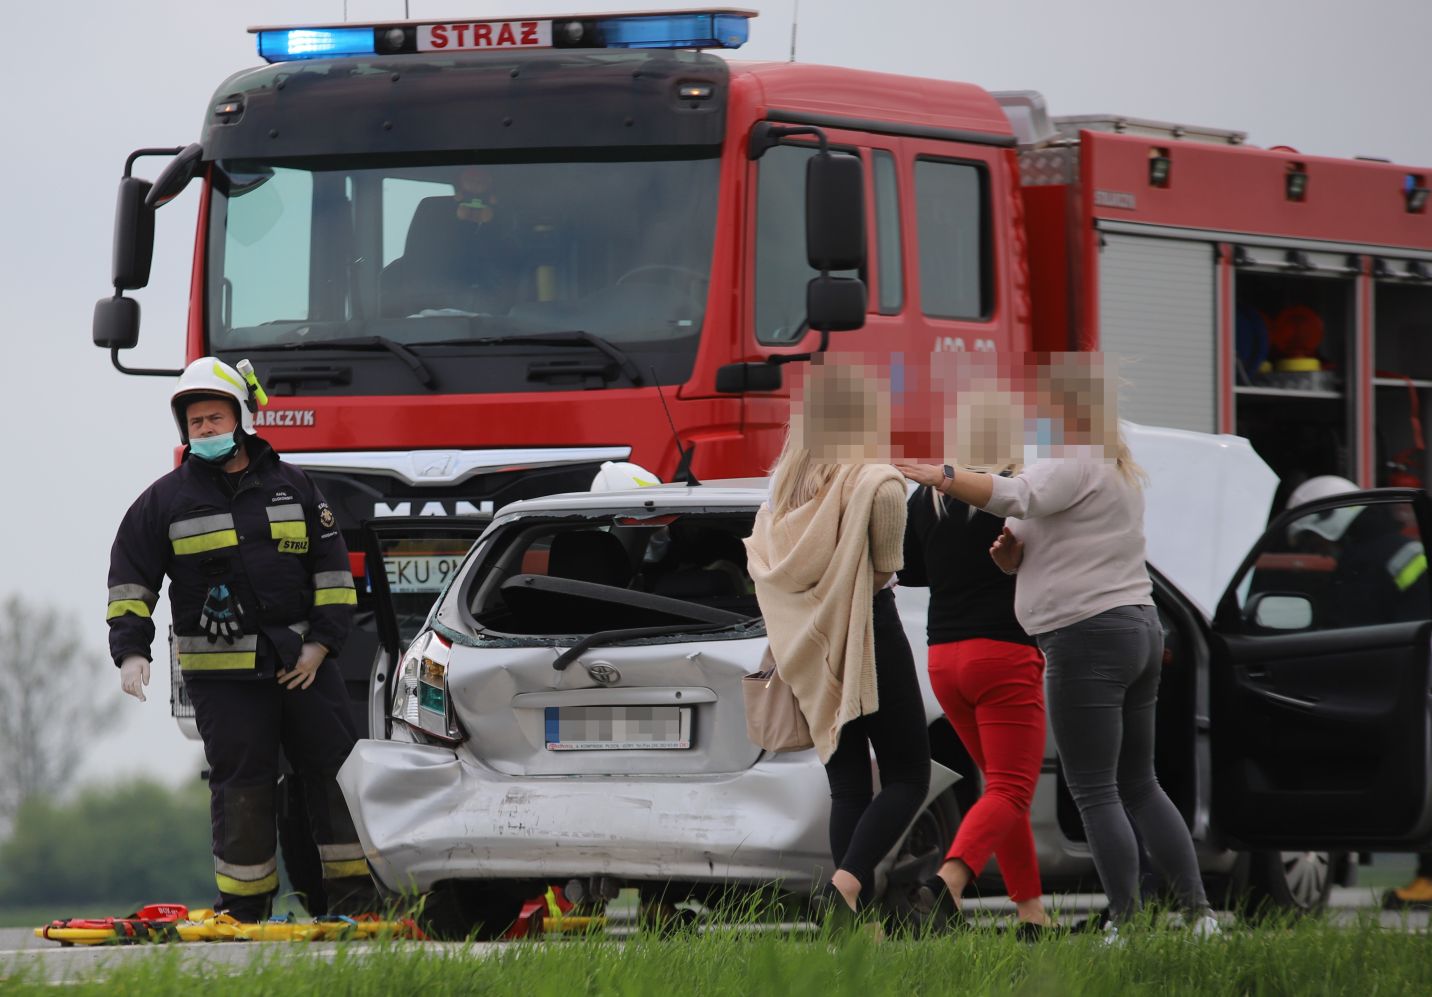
(949, 476)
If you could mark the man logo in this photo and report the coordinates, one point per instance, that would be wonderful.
(603, 673)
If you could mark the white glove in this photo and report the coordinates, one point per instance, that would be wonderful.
(134, 675)
(300, 676)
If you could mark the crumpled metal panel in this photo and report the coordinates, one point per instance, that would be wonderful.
(426, 814)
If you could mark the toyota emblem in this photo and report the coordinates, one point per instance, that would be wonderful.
(603, 673)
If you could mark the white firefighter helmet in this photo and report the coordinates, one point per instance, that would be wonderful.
(210, 376)
(615, 475)
(1330, 524)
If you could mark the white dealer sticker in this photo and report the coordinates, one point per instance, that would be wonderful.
(464, 36)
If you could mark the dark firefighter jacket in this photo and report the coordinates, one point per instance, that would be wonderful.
(265, 534)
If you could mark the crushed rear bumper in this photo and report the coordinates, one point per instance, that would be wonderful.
(426, 814)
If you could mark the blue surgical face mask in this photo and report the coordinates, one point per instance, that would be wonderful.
(214, 449)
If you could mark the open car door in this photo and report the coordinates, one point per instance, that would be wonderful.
(408, 562)
(1321, 650)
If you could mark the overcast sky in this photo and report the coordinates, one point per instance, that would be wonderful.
(91, 81)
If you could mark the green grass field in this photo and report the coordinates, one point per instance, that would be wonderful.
(1307, 958)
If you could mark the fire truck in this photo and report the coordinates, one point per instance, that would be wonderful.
(473, 260)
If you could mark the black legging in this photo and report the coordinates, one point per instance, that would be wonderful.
(863, 829)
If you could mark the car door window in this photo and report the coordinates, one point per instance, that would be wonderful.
(1337, 568)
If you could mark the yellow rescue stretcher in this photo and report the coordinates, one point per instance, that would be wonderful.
(176, 923)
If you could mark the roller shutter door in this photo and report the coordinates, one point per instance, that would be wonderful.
(1156, 314)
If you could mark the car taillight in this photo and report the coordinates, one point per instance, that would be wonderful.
(422, 700)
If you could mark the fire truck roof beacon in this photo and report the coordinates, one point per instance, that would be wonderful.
(694, 29)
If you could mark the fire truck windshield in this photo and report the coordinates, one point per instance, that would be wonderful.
(436, 256)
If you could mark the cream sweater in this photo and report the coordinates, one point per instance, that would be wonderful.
(814, 570)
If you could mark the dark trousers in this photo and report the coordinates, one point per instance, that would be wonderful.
(864, 826)
(1101, 680)
(244, 724)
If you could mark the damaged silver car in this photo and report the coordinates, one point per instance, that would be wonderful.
(569, 711)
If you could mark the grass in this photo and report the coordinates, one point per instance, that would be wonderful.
(1294, 958)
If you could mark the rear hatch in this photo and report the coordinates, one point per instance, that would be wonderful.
(604, 641)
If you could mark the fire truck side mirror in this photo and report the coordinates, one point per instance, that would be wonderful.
(738, 378)
(835, 304)
(116, 323)
(835, 212)
(133, 235)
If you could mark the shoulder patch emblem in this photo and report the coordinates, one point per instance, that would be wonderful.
(325, 515)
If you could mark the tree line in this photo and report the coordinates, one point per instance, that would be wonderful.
(138, 842)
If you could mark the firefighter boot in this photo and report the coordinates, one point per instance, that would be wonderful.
(245, 840)
(346, 879)
(1416, 895)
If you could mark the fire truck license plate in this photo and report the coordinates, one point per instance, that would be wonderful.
(468, 36)
(420, 572)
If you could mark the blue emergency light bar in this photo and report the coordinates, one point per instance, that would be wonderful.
(695, 29)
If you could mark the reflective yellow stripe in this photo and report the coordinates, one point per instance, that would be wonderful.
(335, 597)
(206, 541)
(223, 375)
(208, 661)
(1411, 572)
(241, 888)
(122, 606)
(342, 870)
(289, 530)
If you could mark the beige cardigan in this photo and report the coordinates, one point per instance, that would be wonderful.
(814, 572)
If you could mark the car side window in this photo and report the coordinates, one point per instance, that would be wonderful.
(1339, 568)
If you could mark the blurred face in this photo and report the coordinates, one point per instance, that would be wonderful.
(842, 415)
(209, 417)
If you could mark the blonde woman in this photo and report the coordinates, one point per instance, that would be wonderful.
(1083, 591)
(822, 553)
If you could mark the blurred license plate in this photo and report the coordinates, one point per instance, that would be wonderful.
(617, 728)
(420, 572)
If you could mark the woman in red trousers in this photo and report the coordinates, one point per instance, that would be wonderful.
(988, 675)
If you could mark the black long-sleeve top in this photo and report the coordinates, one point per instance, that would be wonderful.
(969, 595)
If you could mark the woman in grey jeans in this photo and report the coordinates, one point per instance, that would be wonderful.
(1083, 592)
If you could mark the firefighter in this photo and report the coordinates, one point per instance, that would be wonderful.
(1381, 573)
(261, 594)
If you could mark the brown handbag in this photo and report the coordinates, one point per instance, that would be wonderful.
(773, 717)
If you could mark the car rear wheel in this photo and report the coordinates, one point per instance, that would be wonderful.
(921, 854)
(1296, 882)
(459, 910)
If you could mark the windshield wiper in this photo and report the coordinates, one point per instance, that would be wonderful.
(415, 364)
(590, 641)
(570, 337)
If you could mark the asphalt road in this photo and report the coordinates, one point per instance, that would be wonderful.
(20, 947)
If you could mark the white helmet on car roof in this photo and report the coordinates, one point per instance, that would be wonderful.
(1330, 524)
(210, 376)
(615, 475)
